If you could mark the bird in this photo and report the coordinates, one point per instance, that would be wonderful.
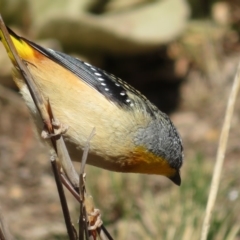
(132, 134)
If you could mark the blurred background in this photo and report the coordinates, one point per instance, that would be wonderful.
(181, 54)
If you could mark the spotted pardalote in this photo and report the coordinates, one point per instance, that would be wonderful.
(132, 135)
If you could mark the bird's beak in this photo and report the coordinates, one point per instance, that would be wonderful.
(176, 178)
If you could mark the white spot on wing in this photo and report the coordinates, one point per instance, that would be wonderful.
(87, 64)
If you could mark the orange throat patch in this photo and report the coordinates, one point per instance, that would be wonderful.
(143, 161)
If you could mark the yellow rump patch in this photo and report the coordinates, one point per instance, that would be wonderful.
(24, 50)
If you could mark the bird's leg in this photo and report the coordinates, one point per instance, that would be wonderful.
(59, 127)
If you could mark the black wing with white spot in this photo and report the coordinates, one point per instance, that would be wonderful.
(95, 77)
(113, 88)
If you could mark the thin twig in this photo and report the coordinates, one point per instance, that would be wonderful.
(44, 107)
(69, 186)
(63, 199)
(66, 163)
(87, 224)
(86, 150)
(220, 155)
(104, 234)
(83, 225)
(62, 152)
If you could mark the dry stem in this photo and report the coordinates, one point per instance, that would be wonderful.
(220, 155)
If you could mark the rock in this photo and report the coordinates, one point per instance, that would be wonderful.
(135, 30)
